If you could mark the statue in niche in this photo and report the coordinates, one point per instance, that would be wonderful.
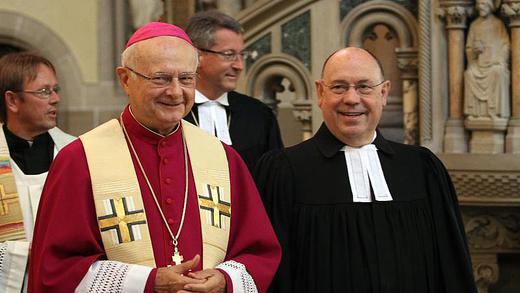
(144, 11)
(486, 80)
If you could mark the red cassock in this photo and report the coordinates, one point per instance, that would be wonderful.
(67, 239)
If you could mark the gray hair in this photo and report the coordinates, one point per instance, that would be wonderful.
(129, 56)
(202, 26)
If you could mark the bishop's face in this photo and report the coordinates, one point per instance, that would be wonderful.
(160, 107)
(353, 115)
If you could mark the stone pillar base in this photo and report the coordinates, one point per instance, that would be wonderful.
(455, 137)
(513, 136)
(487, 135)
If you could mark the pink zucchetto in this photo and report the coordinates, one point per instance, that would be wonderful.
(157, 29)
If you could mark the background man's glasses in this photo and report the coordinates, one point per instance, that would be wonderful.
(45, 92)
(361, 89)
(229, 55)
(186, 79)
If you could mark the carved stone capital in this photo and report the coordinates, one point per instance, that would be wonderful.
(511, 9)
(456, 13)
(407, 62)
(303, 113)
(302, 110)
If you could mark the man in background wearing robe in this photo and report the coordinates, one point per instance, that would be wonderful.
(29, 140)
(243, 122)
(355, 212)
(150, 202)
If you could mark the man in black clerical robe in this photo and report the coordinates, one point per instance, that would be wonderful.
(355, 212)
(243, 122)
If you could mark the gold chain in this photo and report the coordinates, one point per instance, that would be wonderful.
(174, 237)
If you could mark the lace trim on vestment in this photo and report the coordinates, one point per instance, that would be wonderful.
(3, 253)
(241, 279)
(110, 277)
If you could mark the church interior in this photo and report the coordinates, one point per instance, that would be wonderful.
(455, 74)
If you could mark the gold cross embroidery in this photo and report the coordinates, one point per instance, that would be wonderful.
(5, 200)
(215, 205)
(121, 220)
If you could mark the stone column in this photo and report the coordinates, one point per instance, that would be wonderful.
(407, 62)
(455, 14)
(511, 8)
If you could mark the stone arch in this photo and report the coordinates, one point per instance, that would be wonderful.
(264, 80)
(400, 118)
(29, 34)
(376, 12)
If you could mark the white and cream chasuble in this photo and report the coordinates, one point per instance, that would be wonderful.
(119, 205)
(19, 199)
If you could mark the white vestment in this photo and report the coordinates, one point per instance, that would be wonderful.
(14, 254)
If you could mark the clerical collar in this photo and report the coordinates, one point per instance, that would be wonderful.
(139, 130)
(363, 165)
(365, 174)
(213, 117)
(200, 98)
(32, 158)
(329, 145)
(145, 127)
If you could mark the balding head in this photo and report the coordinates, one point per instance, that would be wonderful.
(354, 49)
(351, 95)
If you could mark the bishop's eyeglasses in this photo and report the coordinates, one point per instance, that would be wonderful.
(44, 93)
(186, 79)
(362, 89)
(229, 55)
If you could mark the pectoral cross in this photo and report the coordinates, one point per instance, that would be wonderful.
(177, 257)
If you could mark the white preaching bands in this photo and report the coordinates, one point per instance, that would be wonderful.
(212, 116)
(364, 170)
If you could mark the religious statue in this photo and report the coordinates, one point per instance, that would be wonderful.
(486, 80)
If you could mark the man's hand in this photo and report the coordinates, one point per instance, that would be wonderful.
(213, 282)
(173, 279)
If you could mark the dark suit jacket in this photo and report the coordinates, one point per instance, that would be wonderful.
(253, 129)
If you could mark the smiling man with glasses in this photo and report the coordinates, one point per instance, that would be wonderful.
(150, 202)
(355, 212)
(243, 122)
(29, 141)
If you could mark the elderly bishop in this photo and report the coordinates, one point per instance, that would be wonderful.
(150, 202)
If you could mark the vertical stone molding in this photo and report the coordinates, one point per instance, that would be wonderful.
(407, 63)
(511, 9)
(455, 14)
(425, 71)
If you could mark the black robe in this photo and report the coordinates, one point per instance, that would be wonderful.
(415, 243)
(253, 127)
